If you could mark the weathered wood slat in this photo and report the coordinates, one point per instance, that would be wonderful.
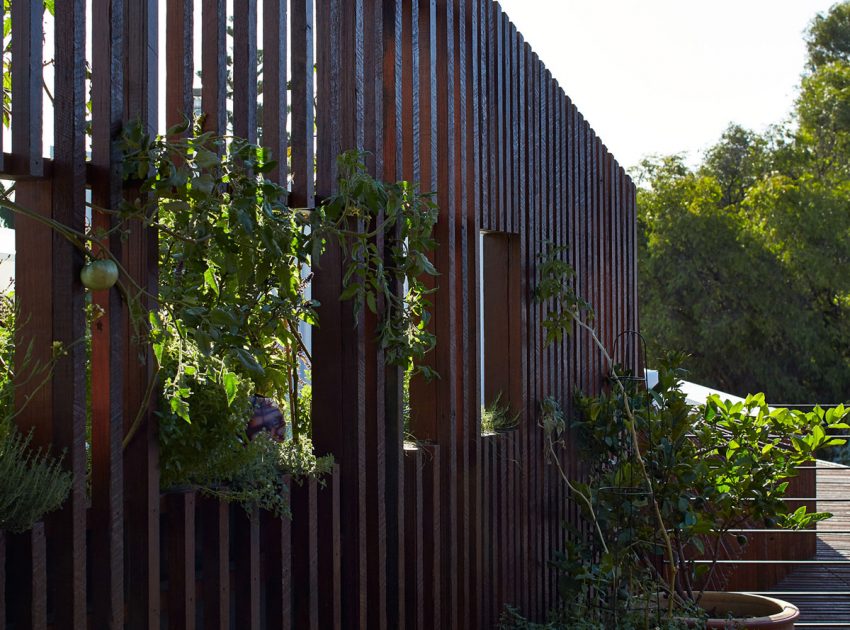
(246, 535)
(303, 114)
(26, 595)
(378, 67)
(27, 55)
(179, 59)
(180, 545)
(67, 528)
(391, 81)
(463, 163)
(215, 562)
(414, 524)
(213, 67)
(275, 92)
(305, 555)
(140, 257)
(339, 365)
(245, 69)
(109, 332)
(472, 347)
(276, 567)
(423, 394)
(445, 311)
(432, 509)
(2, 573)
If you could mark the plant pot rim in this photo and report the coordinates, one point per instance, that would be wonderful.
(768, 612)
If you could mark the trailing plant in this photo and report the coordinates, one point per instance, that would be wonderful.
(667, 481)
(363, 214)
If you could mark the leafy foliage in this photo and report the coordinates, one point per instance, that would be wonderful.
(742, 260)
(235, 266)
(497, 417)
(32, 482)
(709, 470)
(828, 39)
(404, 219)
(556, 290)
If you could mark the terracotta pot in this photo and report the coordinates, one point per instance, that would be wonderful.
(742, 610)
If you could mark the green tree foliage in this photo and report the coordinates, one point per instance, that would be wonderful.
(744, 259)
(828, 39)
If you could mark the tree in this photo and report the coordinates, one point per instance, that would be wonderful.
(828, 39)
(744, 259)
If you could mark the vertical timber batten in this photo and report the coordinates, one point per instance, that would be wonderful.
(444, 93)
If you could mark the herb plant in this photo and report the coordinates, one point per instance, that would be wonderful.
(32, 482)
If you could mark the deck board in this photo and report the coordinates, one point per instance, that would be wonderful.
(822, 592)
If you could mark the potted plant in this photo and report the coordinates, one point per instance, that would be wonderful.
(666, 484)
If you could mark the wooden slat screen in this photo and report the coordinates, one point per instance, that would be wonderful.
(445, 93)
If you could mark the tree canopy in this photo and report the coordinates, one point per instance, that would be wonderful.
(744, 259)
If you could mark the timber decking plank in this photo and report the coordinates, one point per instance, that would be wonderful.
(806, 583)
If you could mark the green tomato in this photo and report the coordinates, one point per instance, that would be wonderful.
(99, 274)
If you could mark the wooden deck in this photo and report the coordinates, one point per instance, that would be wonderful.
(822, 589)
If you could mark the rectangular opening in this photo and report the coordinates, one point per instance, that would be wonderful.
(500, 324)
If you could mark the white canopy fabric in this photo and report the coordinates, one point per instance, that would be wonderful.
(696, 394)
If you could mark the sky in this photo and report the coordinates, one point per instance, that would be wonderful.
(668, 76)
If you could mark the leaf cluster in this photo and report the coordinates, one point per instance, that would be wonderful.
(365, 217)
(710, 469)
(235, 265)
(555, 289)
(742, 259)
(497, 416)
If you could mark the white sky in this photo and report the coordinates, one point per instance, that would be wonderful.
(668, 76)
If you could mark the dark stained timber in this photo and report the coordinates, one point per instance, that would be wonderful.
(109, 333)
(179, 60)
(446, 94)
(245, 69)
(303, 116)
(213, 68)
(27, 124)
(180, 544)
(275, 91)
(67, 528)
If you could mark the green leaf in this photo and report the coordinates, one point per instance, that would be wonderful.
(370, 302)
(211, 281)
(230, 386)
